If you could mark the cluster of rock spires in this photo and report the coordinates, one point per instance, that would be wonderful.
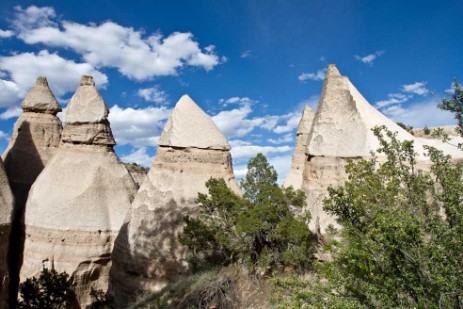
(341, 130)
(84, 215)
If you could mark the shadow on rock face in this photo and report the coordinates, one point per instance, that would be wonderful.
(22, 162)
(147, 253)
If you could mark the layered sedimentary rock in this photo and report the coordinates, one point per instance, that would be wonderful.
(6, 208)
(35, 139)
(147, 254)
(294, 177)
(78, 203)
(341, 131)
(137, 172)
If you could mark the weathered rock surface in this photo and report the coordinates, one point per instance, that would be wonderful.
(294, 177)
(6, 209)
(341, 130)
(137, 172)
(35, 139)
(147, 254)
(78, 203)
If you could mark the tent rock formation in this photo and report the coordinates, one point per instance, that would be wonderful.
(294, 177)
(147, 254)
(78, 203)
(6, 208)
(341, 131)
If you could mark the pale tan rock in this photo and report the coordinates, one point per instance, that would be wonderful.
(193, 128)
(294, 177)
(77, 205)
(147, 254)
(40, 99)
(6, 209)
(137, 172)
(35, 139)
(341, 130)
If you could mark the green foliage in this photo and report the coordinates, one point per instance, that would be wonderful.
(426, 130)
(455, 105)
(402, 230)
(201, 290)
(50, 290)
(294, 292)
(100, 300)
(409, 129)
(258, 228)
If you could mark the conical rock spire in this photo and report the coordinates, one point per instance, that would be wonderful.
(86, 117)
(78, 203)
(147, 253)
(190, 126)
(6, 209)
(40, 99)
(294, 177)
(342, 131)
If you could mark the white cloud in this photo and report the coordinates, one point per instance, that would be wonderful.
(319, 75)
(4, 136)
(369, 59)
(153, 94)
(282, 164)
(420, 114)
(6, 33)
(394, 98)
(291, 123)
(246, 54)
(241, 152)
(11, 112)
(63, 75)
(282, 140)
(416, 88)
(134, 54)
(138, 127)
(139, 156)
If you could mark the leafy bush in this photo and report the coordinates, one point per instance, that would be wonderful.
(258, 228)
(402, 230)
(50, 290)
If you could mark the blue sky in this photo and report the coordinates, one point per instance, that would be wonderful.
(252, 65)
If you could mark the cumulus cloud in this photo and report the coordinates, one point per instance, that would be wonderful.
(153, 94)
(139, 156)
(281, 163)
(11, 113)
(393, 98)
(6, 33)
(319, 75)
(292, 122)
(242, 151)
(370, 59)
(138, 127)
(281, 140)
(420, 114)
(416, 88)
(23, 69)
(131, 52)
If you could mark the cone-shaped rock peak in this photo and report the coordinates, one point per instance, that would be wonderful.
(294, 177)
(40, 99)
(332, 71)
(86, 117)
(305, 124)
(190, 126)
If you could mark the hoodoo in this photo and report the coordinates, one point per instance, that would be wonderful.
(35, 139)
(78, 203)
(342, 130)
(147, 254)
(294, 177)
(6, 208)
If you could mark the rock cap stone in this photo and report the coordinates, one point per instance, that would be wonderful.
(190, 126)
(86, 105)
(40, 99)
